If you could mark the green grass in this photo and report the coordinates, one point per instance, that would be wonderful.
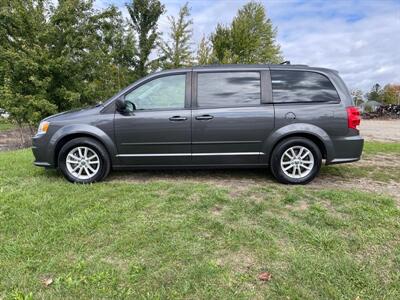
(196, 240)
(381, 147)
(6, 124)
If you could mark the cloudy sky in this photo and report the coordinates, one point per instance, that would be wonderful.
(359, 38)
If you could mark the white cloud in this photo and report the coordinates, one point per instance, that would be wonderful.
(360, 39)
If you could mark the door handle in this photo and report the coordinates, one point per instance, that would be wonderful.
(177, 118)
(204, 117)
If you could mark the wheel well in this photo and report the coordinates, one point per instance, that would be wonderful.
(316, 140)
(70, 137)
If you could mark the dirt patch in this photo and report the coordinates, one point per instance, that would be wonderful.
(238, 182)
(381, 130)
(239, 262)
(11, 139)
(391, 188)
(217, 210)
(300, 206)
(379, 160)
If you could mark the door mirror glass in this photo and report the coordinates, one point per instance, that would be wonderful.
(166, 92)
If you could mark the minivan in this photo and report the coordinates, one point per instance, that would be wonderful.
(289, 118)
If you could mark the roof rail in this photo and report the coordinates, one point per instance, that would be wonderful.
(286, 62)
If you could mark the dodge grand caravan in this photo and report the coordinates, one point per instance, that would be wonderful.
(285, 117)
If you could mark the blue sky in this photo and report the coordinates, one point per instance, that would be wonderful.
(359, 38)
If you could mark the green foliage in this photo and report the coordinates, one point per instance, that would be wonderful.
(391, 94)
(144, 17)
(375, 94)
(204, 52)
(249, 39)
(24, 76)
(177, 52)
(55, 58)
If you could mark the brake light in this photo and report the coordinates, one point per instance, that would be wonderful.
(353, 117)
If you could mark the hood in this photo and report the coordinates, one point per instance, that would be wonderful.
(74, 113)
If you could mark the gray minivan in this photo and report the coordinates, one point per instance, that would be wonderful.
(287, 117)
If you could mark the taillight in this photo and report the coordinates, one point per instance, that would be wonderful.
(353, 117)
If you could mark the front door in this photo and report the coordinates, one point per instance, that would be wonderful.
(157, 129)
(229, 121)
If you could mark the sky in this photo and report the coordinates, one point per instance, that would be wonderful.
(359, 38)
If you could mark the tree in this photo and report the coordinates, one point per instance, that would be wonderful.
(204, 52)
(24, 78)
(391, 94)
(55, 58)
(357, 97)
(375, 93)
(177, 52)
(144, 17)
(222, 45)
(249, 39)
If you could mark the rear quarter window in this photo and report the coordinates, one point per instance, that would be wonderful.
(302, 86)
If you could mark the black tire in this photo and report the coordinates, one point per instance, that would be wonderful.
(280, 149)
(93, 145)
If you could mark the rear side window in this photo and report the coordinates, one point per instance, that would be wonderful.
(227, 89)
(302, 86)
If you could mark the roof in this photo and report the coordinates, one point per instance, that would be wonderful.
(252, 66)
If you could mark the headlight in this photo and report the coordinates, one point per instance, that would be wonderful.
(43, 126)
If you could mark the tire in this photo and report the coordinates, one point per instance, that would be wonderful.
(288, 167)
(70, 161)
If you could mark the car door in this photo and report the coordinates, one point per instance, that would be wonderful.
(231, 117)
(157, 129)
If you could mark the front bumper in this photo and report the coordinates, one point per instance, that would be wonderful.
(40, 150)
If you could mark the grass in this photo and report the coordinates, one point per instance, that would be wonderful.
(375, 170)
(197, 240)
(6, 124)
(381, 147)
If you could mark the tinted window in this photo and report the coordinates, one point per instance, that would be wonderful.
(302, 86)
(228, 89)
(162, 93)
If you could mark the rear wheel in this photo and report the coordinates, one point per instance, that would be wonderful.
(84, 160)
(296, 160)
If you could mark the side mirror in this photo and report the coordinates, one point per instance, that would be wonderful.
(120, 105)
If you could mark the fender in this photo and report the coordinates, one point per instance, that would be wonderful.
(84, 129)
(298, 128)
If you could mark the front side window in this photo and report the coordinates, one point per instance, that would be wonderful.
(161, 93)
(227, 89)
(302, 86)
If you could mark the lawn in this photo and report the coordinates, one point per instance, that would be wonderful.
(6, 125)
(177, 235)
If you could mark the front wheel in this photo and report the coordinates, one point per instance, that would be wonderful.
(296, 161)
(84, 160)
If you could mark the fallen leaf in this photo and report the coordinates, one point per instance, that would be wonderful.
(265, 276)
(47, 281)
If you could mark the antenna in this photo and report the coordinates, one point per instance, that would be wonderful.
(286, 62)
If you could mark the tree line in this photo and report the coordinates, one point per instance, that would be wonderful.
(389, 94)
(56, 57)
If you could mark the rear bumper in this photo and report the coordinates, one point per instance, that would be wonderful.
(346, 150)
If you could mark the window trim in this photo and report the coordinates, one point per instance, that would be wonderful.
(186, 105)
(195, 104)
(304, 102)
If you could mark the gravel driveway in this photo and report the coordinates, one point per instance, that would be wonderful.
(381, 130)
